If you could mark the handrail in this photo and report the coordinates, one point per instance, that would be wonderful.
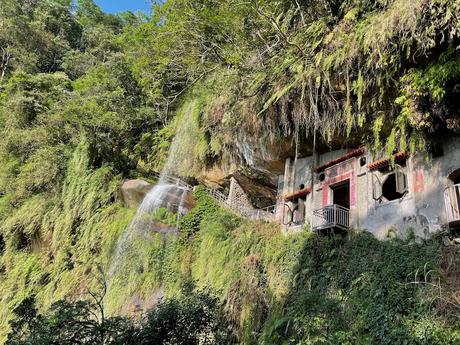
(172, 180)
(331, 216)
(267, 213)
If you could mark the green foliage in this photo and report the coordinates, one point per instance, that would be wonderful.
(67, 323)
(88, 98)
(291, 288)
(428, 88)
(165, 216)
(53, 239)
(362, 291)
(206, 208)
(193, 318)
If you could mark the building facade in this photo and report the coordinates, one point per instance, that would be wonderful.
(346, 189)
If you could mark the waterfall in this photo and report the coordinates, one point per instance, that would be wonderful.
(143, 223)
(165, 194)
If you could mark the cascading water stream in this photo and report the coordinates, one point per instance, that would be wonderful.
(143, 223)
(165, 194)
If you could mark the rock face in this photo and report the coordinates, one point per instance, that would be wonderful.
(255, 163)
(134, 191)
(175, 199)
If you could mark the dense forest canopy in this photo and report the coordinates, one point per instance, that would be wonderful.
(88, 99)
(382, 69)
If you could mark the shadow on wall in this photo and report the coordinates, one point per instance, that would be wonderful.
(420, 213)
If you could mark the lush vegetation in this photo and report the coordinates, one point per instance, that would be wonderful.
(88, 99)
(194, 318)
(270, 289)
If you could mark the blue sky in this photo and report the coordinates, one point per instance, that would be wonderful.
(115, 6)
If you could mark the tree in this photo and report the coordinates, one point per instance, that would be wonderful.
(70, 323)
(192, 319)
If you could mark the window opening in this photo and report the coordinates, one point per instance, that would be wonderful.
(455, 176)
(437, 150)
(299, 212)
(322, 177)
(294, 212)
(394, 185)
(288, 214)
(390, 190)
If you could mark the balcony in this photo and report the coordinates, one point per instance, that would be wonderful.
(331, 217)
(452, 201)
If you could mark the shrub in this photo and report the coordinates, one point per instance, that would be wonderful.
(194, 318)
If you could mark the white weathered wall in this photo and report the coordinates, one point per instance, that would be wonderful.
(422, 209)
(385, 215)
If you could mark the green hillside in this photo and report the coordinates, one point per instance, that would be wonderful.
(89, 99)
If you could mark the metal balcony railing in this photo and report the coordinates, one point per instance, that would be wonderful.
(331, 217)
(452, 201)
(267, 213)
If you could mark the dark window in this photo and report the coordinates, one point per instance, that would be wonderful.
(437, 150)
(389, 188)
(322, 177)
(455, 176)
(363, 161)
(302, 186)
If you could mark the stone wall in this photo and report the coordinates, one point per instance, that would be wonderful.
(238, 196)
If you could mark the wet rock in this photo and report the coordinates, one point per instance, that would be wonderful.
(174, 198)
(134, 191)
(446, 242)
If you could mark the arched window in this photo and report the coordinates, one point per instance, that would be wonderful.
(454, 176)
(389, 189)
(452, 197)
